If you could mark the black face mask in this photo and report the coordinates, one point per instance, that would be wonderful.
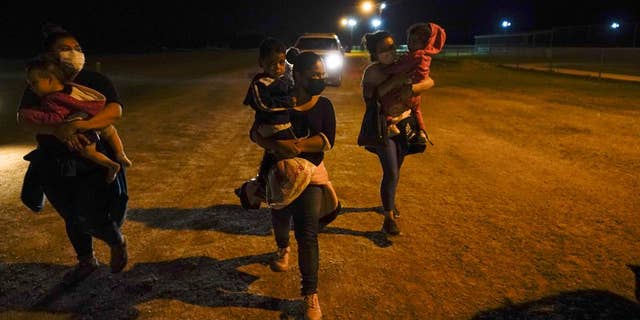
(315, 86)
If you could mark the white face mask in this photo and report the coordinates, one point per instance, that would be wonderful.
(73, 59)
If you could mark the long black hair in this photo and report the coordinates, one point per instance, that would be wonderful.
(303, 61)
(371, 40)
(52, 33)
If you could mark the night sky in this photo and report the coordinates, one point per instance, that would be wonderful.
(111, 26)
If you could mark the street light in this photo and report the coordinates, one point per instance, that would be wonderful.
(615, 25)
(367, 7)
(344, 22)
(375, 23)
(505, 25)
(351, 23)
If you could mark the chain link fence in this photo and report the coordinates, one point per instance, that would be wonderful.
(593, 50)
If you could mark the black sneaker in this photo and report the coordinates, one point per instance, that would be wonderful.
(241, 193)
(390, 227)
(80, 272)
(119, 256)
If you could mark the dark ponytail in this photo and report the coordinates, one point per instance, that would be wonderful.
(370, 42)
(291, 55)
(304, 61)
(52, 33)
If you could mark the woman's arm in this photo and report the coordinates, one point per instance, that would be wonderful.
(283, 148)
(73, 141)
(312, 144)
(111, 113)
(409, 90)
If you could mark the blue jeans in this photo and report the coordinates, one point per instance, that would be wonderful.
(305, 211)
(391, 157)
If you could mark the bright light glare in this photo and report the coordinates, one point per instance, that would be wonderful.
(615, 25)
(367, 6)
(376, 23)
(11, 158)
(343, 22)
(352, 22)
(506, 24)
(333, 61)
(383, 6)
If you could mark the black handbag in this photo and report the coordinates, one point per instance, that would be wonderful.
(373, 131)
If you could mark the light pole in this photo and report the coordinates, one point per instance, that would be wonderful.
(615, 26)
(352, 23)
(382, 6)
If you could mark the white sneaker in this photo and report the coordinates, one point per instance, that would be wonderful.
(312, 307)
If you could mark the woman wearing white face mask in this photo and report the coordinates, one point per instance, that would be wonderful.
(76, 188)
(390, 150)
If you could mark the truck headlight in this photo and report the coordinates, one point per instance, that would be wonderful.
(333, 61)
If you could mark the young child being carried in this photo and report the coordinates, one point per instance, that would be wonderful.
(423, 41)
(64, 102)
(270, 95)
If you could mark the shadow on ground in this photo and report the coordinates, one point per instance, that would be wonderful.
(198, 280)
(583, 304)
(224, 218)
(378, 237)
(233, 219)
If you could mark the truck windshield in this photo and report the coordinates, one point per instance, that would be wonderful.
(317, 44)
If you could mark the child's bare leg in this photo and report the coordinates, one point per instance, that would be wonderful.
(393, 130)
(90, 152)
(110, 134)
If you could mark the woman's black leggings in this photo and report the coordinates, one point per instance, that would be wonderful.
(391, 158)
(305, 211)
(70, 201)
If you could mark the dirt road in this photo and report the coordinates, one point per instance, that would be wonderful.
(526, 207)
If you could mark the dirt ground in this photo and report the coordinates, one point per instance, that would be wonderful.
(526, 207)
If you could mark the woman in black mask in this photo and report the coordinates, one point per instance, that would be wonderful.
(314, 124)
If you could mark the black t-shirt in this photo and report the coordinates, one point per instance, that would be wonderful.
(320, 119)
(87, 78)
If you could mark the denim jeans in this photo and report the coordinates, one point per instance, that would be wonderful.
(304, 211)
(391, 157)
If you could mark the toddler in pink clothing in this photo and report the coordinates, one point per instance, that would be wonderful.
(423, 41)
(63, 102)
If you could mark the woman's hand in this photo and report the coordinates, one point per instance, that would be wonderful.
(405, 92)
(393, 82)
(285, 149)
(65, 130)
(398, 79)
(76, 142)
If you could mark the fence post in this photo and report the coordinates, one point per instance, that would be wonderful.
(551, 51)
(601, 63)
(635, 34)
